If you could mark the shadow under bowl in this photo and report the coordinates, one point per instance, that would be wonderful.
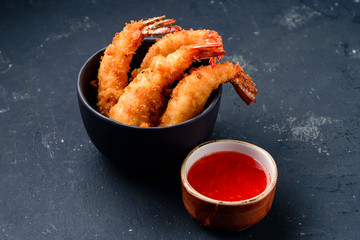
(137, 146)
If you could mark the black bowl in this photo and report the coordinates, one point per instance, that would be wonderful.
(138, 146)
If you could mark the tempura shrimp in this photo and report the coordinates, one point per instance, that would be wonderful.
(191, 93)
(115, 64)
(171, 42)
(143, 99)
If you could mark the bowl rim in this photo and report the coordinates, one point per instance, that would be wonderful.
(84, 101)
(193, 192)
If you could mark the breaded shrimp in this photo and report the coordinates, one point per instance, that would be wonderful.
(171, 42)
(143, 98)
(115, 64)
(191, 93)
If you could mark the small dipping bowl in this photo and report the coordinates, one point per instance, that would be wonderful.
(140, 147)
(226, 215)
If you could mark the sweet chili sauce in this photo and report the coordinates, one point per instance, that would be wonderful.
(228, 176)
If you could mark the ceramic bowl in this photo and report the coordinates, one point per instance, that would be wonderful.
(137, 146)
(223, 215)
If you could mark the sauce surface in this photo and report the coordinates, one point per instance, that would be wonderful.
(228, 176)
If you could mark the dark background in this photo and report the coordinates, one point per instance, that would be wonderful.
(304, 57)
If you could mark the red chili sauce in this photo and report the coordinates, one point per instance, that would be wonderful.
(228, 176)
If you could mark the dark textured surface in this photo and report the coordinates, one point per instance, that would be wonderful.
(304, 57)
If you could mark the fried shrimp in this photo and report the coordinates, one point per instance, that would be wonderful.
(143, 98)
(171, 42)
(191, 93)
(115, 64)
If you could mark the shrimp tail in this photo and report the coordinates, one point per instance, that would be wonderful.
(244, 86)
(161, 31)
(157, 26)
(153, 20)
(211, 50)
